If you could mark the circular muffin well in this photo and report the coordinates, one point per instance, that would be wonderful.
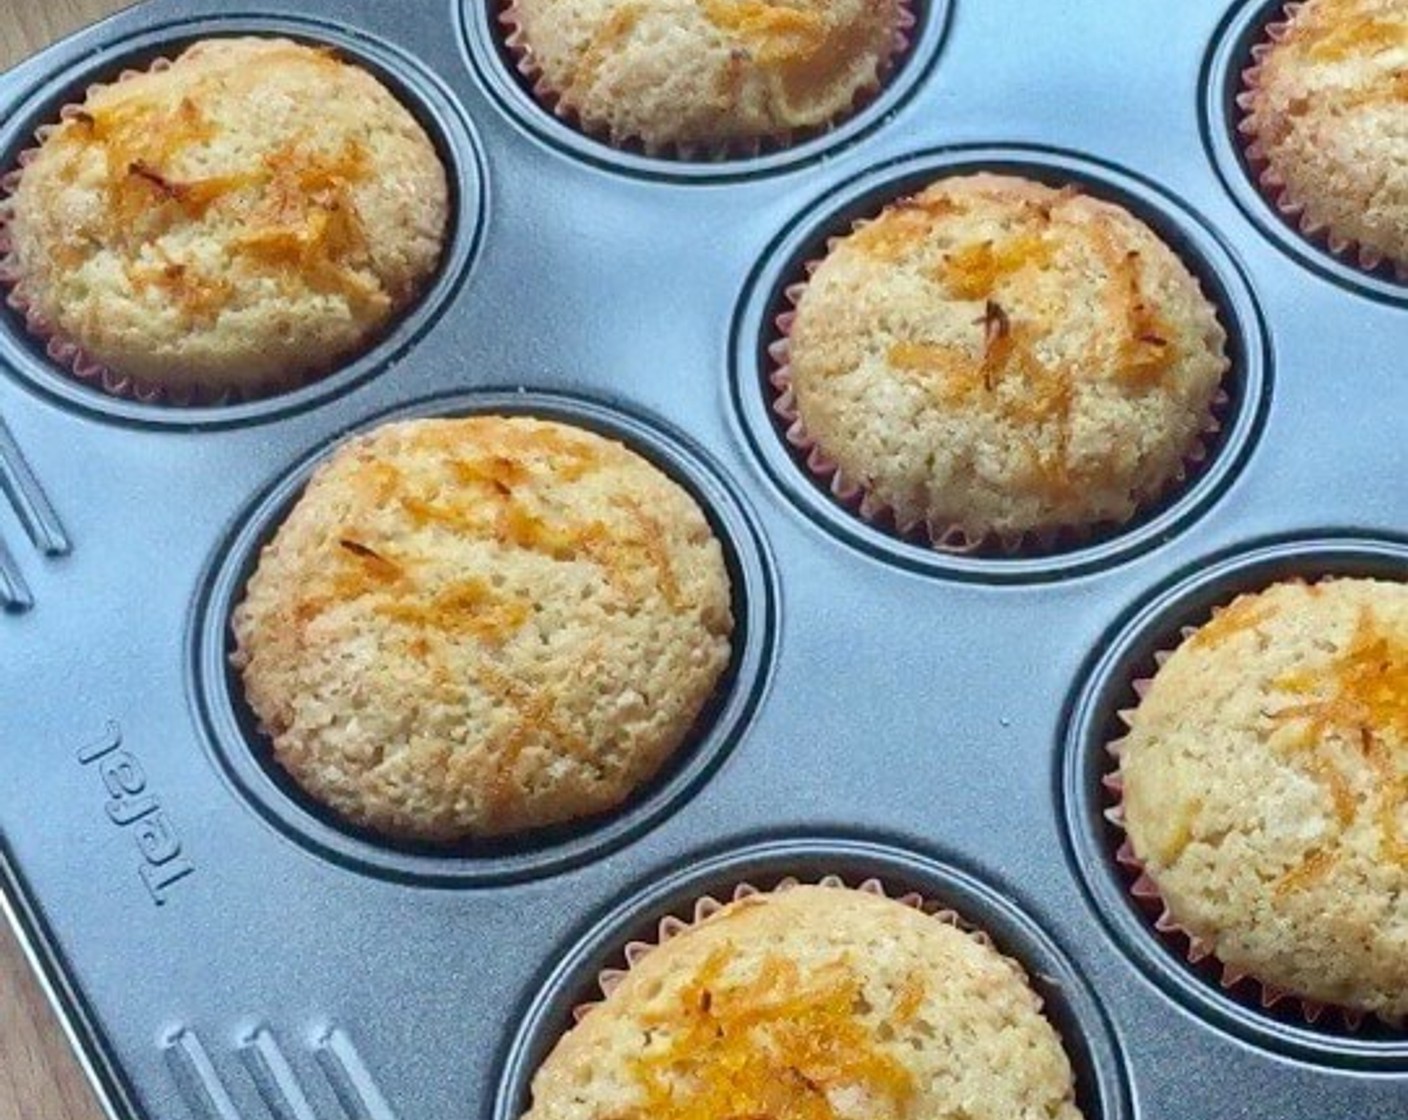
(670, 903)
(532, 40)
(1260, 154)
(1137, 785)
(767, 315)
(494, 49)
(417, 91)
(1097, 845)
(477, 627)
(1243, 34)
(245, 755)
(1159, 391)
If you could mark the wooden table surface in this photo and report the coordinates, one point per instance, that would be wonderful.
(39, 1077)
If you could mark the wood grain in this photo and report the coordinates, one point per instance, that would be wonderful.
(39, 1077)
(27, 25)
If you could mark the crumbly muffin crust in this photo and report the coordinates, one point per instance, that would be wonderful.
(707, 73)
(244, 218)
(813, 1003)
(1266, 789)
(1328, 112)
(997, 356)
(473, 627)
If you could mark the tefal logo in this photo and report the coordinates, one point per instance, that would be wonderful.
(132, 806)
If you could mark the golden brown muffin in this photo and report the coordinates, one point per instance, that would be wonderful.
(1266, 789)
(245, 218)
(813, 1003)
(994, 356)
(1328, 113)
(707, 73)
(472, 627)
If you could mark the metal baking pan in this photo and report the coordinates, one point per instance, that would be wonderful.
(220, 948)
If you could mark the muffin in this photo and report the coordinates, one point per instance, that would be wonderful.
(1327, 116)
(244, 218)
(813, 1002)
(997, 360)
(705, 74)
(1265, 787)
(473, 627)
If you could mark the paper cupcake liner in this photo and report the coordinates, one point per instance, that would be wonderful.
(706, 906)
(1274, 187)
(65, 352)
(521, 54)
(950, 538)
(1198, 951)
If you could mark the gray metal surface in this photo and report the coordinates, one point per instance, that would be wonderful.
(223, 950)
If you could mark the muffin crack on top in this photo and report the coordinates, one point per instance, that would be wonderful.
(706, 74)
(241, 218)
(467, 628)
(1265, 790)
(1326, 118)
(812, 1003)
(997, 358)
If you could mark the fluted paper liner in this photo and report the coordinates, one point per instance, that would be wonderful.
(949, 538)
(1274, 187)
(66, 353)
(1197, 950)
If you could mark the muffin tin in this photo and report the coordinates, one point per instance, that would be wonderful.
(221, 948)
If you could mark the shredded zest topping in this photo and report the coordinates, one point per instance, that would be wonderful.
(295, 207)
(488, 499)
(1005, 365)
(805, 47)
(976, 270)
(1360, 37)
(1332, 34)
(1362, 698)
(776, 32)
(607, 38)
(782, 1045)
(488, 496)
(1243, 614)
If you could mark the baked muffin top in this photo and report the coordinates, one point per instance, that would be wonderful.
(1266, 789)
(1329, 113)
(248, 216)
(472, 627)
(998, 356)
(813, 1003)
(707, 73)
